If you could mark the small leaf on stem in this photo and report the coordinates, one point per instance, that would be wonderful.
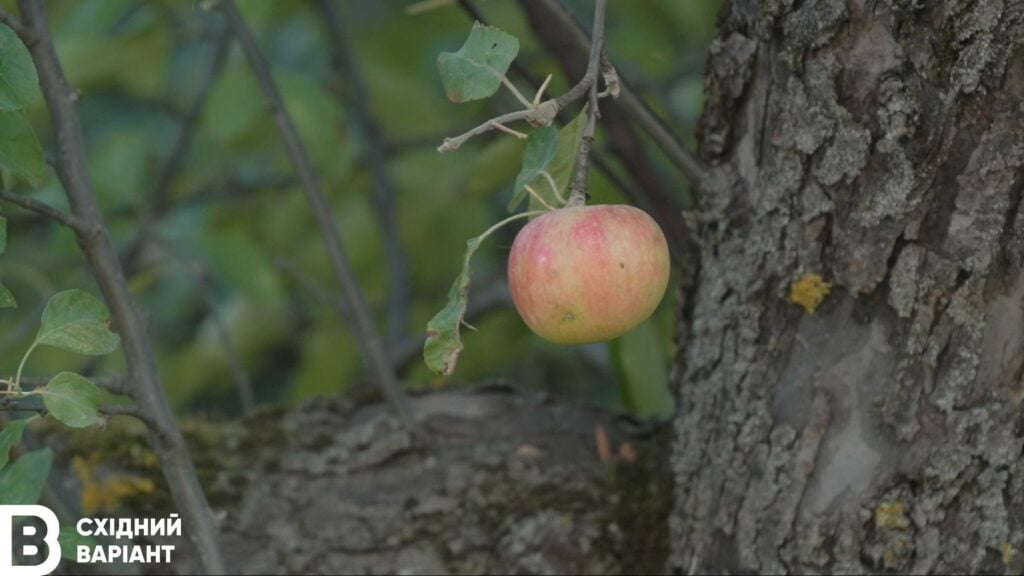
(540, 149)
(444, 343)
(558, 167)
(6, 298)
(72, 399)
(477, 69)
(76, 321)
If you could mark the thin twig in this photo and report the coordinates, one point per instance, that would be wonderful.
(365, 331)
(133, 411)
(160, 202)
(593, 62)
(23, 32)
(169, 445)
(684, 160)
(544, 113)
(399, 294)
(579, 192)
(453, 143)
(68, 220)
(113, 384)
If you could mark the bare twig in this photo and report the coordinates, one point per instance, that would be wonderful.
(70, 221)
(453, 143)
(365, 331)
(543, 113)
(386, 191)
(687, 164)
(23, 32)
(113, 384)
(159, 203)
(579, 192)
(593, 62)
(169, 446)
(134, 411)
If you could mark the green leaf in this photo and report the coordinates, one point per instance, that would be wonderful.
(72, 399)
(76, 321)
(641, 362)
(444, 342)
(10, 435)
(3, 234)
(540, 150)
(476, 70)
(563, 166)
(22, 482)
(6, 298)
(18, 80)
(70, 540)
(558, 166)
(19, 149)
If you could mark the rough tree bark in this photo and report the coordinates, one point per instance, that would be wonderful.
(512, 484)
(878, 144)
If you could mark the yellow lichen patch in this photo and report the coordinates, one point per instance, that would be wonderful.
(891, 515)
(809, 292)
(105, 493)
(1008, 552)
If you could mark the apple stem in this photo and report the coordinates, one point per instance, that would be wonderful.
(579, 190)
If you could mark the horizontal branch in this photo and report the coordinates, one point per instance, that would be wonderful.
(113, 384)
(69, 220)
(453, 143)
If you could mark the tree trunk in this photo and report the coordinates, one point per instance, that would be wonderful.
(877, 144)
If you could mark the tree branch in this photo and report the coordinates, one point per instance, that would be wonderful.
(365, 331)
(593, 62)
(159, 203)
(544, 113)
(12, 22)
(684, 161)
(453, 143)
(169, 447)
(134, 411)
(384, 200)
(72, 222)
(113, 384)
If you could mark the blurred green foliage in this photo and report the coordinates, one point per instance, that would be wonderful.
(239, 223)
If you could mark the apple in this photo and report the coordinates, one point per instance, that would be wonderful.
(585, 274)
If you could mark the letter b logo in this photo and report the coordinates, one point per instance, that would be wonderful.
(8, 515)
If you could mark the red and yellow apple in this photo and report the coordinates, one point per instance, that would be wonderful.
(588, 273)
